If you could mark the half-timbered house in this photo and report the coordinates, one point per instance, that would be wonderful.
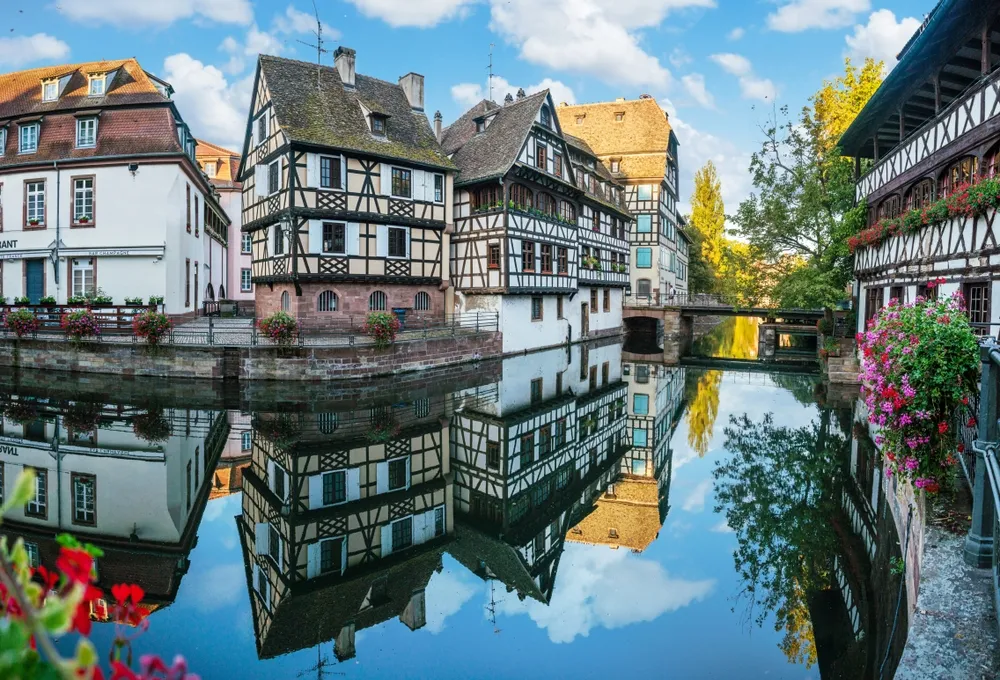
(139, 500)
(931, 129)
(516, 248)
(346, 194)
(555, 435)
(635, 140)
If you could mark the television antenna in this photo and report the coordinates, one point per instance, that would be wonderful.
(320, 50)
(492, 75)
(320, 668)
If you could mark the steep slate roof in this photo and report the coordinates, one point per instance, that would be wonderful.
(21, 91)
(329, 115)
(599, 169)
(489, 154)
(476, 550)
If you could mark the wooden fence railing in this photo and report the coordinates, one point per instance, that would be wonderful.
(112, 319)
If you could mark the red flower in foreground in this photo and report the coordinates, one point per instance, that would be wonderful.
(972, 422)
(965, 400)
(932, 487)
(125, 592)
(961, 448)
(75, 565)
(942, 427)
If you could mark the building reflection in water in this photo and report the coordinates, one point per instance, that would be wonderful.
(132, 481)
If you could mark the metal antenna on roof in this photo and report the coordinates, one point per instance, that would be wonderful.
(491, 74)
(319, 44)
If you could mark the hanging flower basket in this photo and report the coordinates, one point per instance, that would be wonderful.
(22, 322)
(151, 426)
(920, 364)
(279, 429)
(21, 412)
(152, 326)
(82, 416)
(280, 327)
(381, 327)
(81, 324)
(383, 427)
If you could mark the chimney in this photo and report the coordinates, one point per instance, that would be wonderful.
(508, 99)
(414, 616)
(413, 85)
(437, 125)
(520, 93)
(344, 58)
(343, 644)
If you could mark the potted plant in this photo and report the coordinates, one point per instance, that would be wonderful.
(33, 222)
(21, 412)
(590, 262)
(133, 301)
(383, 427)
(22, 300)
(101, 299)
(152, 326)
(832, 347)
(151, 426)
(83, 219)
(80, 324)
(22, 322)
(381, 327)
(155, 300)
(280, 327)
(47, 300)
(76, 300)
(280, 429)
(82, 416)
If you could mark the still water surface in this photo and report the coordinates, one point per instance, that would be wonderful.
(568, 513)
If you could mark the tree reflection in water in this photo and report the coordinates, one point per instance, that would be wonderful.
(735, 338)
(779, 489)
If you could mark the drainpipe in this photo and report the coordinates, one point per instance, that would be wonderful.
(55, 259)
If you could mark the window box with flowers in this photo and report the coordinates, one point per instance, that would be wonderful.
(152, 426)
(22, 322)
(591, 262)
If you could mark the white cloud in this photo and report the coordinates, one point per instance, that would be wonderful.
(751, 86)
(216, 588)
(694, 83)
(468, 94)
(446, 594)
(294, 21)
(597, 587)
(680, 58)
(882, 37)
(20, 50)
(800, 15)
(257, 41)
(736, 33)
(695, 501)
(422, 14)
(213, 107)
(722, 527)
(132, 13)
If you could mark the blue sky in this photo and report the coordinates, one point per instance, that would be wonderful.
(717, 66)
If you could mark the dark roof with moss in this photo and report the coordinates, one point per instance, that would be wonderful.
(581, 147)
(491, 153)
(489, 557)
(327, 114)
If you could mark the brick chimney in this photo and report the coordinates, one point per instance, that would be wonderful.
(343, 59)
(413, 85)
(437, 125)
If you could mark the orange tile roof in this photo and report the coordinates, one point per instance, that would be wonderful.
(227, 163)
(21, 91)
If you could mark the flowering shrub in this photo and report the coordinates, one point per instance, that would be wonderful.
(383, 427)
(82, 416)
(21, 412)
(382, 327)
(964, 200)
(22, 322)
(80, 324)
(920, 362)
(151, 426)
(281, 429)
(280, 327)
(42, 603)
(153, 326)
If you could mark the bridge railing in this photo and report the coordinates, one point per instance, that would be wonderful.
(654, 299)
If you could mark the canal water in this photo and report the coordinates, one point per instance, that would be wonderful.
(568, 513)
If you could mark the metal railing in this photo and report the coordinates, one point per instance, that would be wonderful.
(229, 308)
(654, 299)
(346, 332)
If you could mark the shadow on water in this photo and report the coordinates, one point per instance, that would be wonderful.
(539, 485)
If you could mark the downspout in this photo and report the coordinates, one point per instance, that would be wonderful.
(55, 258)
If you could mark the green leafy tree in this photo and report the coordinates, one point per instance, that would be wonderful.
(708, 214)
(701, 275)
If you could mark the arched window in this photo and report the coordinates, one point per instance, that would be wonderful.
(962, 171)
(378, 302)
(546, 204)
(889, 207)
(546, 117)
(521, 196)
(222, 292)
(286, 302)
(327, 301)
(210, 292)
(567, 211)
(991, 162)
(422, 302)
(326, 422)
(485, 198)
(421, 407)
(919, 195)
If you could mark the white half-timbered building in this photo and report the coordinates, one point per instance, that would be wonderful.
(137, 500)
(346, 194)
(931, 127)
(516, 247)
(529, 463)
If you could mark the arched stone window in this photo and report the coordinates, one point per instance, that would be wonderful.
(422, 302)
(962, 171)
(547, 204)
(521, 196)
(286, 302)
(889, 207)
(567, 211)
(326, 422)
(222, 292)
(485, 198)
(991, 162)
(327, 301)
(378, 301)
(919, 195)
(210, 292)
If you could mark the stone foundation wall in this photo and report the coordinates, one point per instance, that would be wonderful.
(352, 302)
(247, 363)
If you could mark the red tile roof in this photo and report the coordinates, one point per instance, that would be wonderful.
(21, 92)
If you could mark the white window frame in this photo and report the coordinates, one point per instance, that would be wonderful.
(33, 557)
(55, 92)
(246, 282)
(38, 211)
(87, 264)
(102, 79)
(639, 191)
(77, 509)
(437, 176)
(256, 129)
(81, 123)
(262, 586)
(30, 127)
(246, 440)
(81, 195)
(246, 243)
(210, 170)
(406, 243)
(3, 141)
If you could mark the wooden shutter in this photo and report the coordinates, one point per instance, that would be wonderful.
(382, 477)
(256, 578)
(261, 534)
(353, 483)
(312, 170)
(407, 230)
(353, 238)
(381, 241)
(260, 180)
(418, 523)
(343, 185)
(407, 473)
(315, 236)
(315, 491)
(386, 179)
(312, 560)
(386, 540)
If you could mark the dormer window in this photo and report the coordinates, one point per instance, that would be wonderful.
(86, 133)
(579, 120)
(210, 170)
(615, 166)
(546, 117)
(50, 91)
(378, 124)
(28, 142)
(620, 117)
(96, 88)
(480, 126)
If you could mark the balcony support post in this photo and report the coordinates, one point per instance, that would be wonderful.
(875, 144)
(986, 49)
(902, 123)
(937, 93)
